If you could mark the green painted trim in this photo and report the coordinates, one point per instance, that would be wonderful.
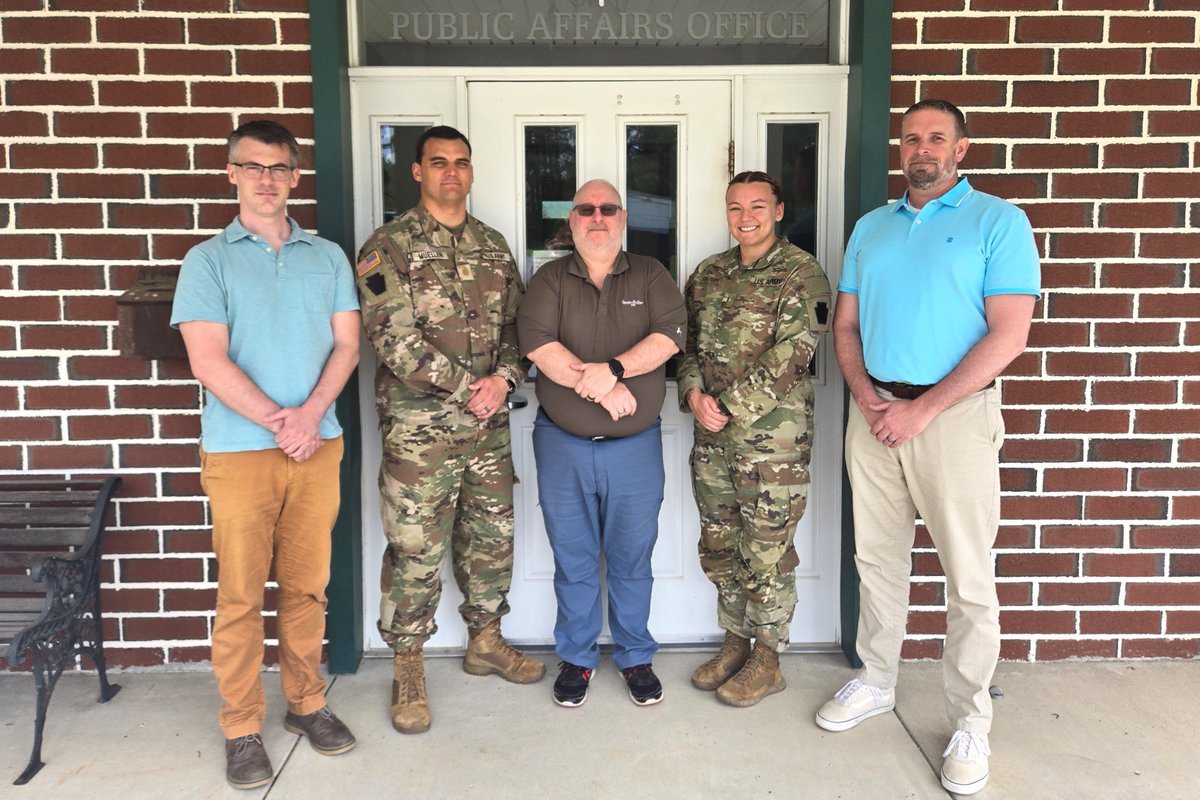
(867, 143)
(335, 221)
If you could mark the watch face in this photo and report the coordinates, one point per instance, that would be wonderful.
(617, 368)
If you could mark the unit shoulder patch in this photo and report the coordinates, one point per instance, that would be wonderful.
(376, 283)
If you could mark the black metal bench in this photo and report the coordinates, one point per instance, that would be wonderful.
(50, 536)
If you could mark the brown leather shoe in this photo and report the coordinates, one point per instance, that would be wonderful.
(246, 763)
(760, 677)
(327, 734)
(724, 665)
(410, 709)
(489, 654)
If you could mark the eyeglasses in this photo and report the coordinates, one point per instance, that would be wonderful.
(587, 210)
(279, 172)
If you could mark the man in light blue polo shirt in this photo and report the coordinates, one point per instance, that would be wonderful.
(935, 300)
(269, 314)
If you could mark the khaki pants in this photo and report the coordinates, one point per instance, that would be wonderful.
(949, 474)
(268, 508)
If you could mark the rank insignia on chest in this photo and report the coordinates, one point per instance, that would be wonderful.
(369, 262)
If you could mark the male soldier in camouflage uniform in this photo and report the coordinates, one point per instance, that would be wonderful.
(439, 292)
(755, 313)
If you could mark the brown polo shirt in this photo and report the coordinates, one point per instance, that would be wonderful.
(562, 305)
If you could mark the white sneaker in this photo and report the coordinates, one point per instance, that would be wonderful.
(853, 703)
(965, 769)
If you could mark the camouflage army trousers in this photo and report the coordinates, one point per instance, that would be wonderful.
(445, 484)
(750, 505)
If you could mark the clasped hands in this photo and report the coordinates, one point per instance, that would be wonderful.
(894, 422)
(707, 411)
(598, 384)
(489, 394)
(297, 431)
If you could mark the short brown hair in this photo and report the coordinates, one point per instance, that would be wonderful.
(438, 132)
(945, 106)
(756, 176)
(265, 131)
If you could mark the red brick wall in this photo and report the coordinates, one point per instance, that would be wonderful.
(111, 156)
(1086, 113)
(112, 129)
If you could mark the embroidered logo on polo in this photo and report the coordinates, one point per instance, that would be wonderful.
(633, 303)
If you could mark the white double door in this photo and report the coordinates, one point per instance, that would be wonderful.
(666, 146)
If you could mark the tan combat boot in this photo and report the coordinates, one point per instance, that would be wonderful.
(489, 654)
(757, 679)
(410, 709)
(721, 667)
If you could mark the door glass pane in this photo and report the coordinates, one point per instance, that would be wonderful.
(396, 146)
(652, 193)
(550, 166)
(792, 157)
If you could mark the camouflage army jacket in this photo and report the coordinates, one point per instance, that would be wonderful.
(751, 335)
(440, 312)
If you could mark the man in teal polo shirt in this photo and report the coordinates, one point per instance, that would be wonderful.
(270, 318)
(935, 300)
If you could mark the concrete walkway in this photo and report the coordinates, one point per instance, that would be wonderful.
(1103, 730)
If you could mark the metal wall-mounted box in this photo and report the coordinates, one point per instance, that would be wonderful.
(144, 316)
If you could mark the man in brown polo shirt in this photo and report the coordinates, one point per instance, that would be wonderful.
(600, 325)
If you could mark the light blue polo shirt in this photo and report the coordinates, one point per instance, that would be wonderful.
(277, 307)
(921, 277)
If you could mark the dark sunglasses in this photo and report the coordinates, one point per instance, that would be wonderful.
(586, 210)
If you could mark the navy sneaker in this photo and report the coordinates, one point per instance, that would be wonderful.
(570, 688)
(644, 687)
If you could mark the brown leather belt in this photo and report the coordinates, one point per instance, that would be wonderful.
(910, 391)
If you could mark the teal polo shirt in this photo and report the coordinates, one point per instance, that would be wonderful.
(277, 307)
(921, 277)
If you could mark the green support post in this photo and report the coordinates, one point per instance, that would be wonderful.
(335, 221)
(867, 144)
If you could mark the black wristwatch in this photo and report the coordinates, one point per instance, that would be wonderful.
(512, 387)
(617, 368)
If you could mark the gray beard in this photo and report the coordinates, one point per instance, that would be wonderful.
(923, 179)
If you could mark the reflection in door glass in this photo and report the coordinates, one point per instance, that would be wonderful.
(550, 163)
(792, 157)
(397, 144)
(652, 192)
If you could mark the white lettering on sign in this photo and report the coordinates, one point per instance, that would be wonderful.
(445, 27)
(703, 27)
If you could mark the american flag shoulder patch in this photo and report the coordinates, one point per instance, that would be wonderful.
(369, 262)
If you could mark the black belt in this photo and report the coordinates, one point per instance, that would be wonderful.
(911, 391)
(542, 410)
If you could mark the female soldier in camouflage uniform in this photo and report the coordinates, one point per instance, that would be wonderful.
(755, 313)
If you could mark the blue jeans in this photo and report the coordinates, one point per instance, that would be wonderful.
(600, 494)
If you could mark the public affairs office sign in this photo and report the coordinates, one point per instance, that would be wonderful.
(421, 25)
